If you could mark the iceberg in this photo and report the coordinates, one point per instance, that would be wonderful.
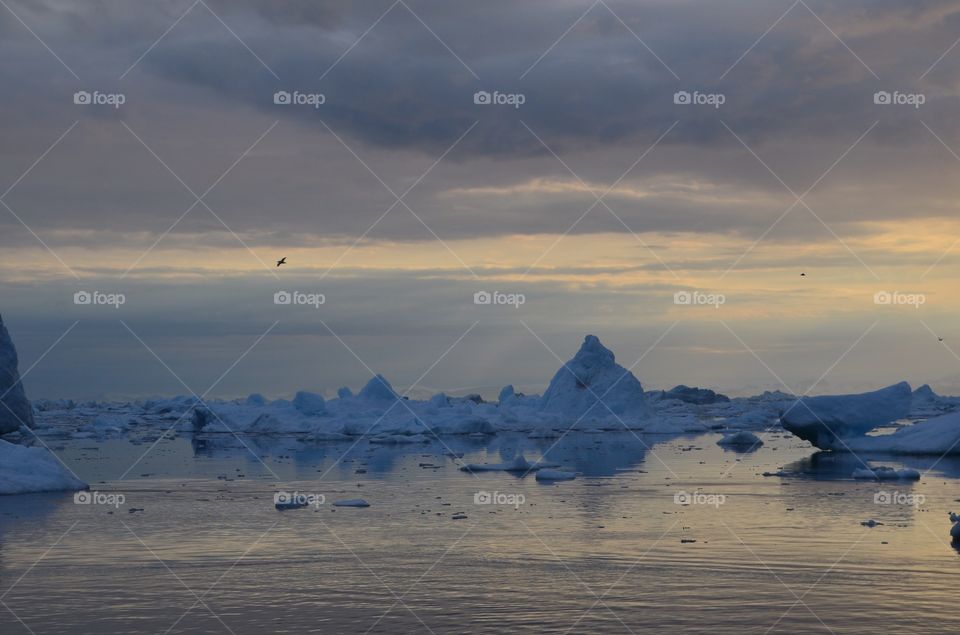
(594, 383)
(24, 470)
(378, 389)
(15, 409)
(823, 420)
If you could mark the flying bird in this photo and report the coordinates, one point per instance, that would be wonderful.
(940, 339)
(803, 275)
(282, 261)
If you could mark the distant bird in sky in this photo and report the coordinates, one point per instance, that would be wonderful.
(940, 339)
(803, 275)
(282, 261)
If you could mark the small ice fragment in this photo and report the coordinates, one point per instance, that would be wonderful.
(555, 475)
(351, 502)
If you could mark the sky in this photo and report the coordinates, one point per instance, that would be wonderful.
(743, 195)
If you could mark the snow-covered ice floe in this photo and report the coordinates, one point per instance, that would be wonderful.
(885, 473)
(24, 470)
(741, 440)
(821, 420)
(842, 422)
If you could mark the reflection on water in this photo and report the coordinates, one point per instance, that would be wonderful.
(609, 552)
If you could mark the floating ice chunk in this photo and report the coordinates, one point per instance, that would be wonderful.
(555, 475)
(291, 504)
(884, 473)
(742, 439)
(821, 420)
(309, 403)
(344, 393)
(24, 470)
(505, 393)
(593, 383)
(351, 502)
(518, 464)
